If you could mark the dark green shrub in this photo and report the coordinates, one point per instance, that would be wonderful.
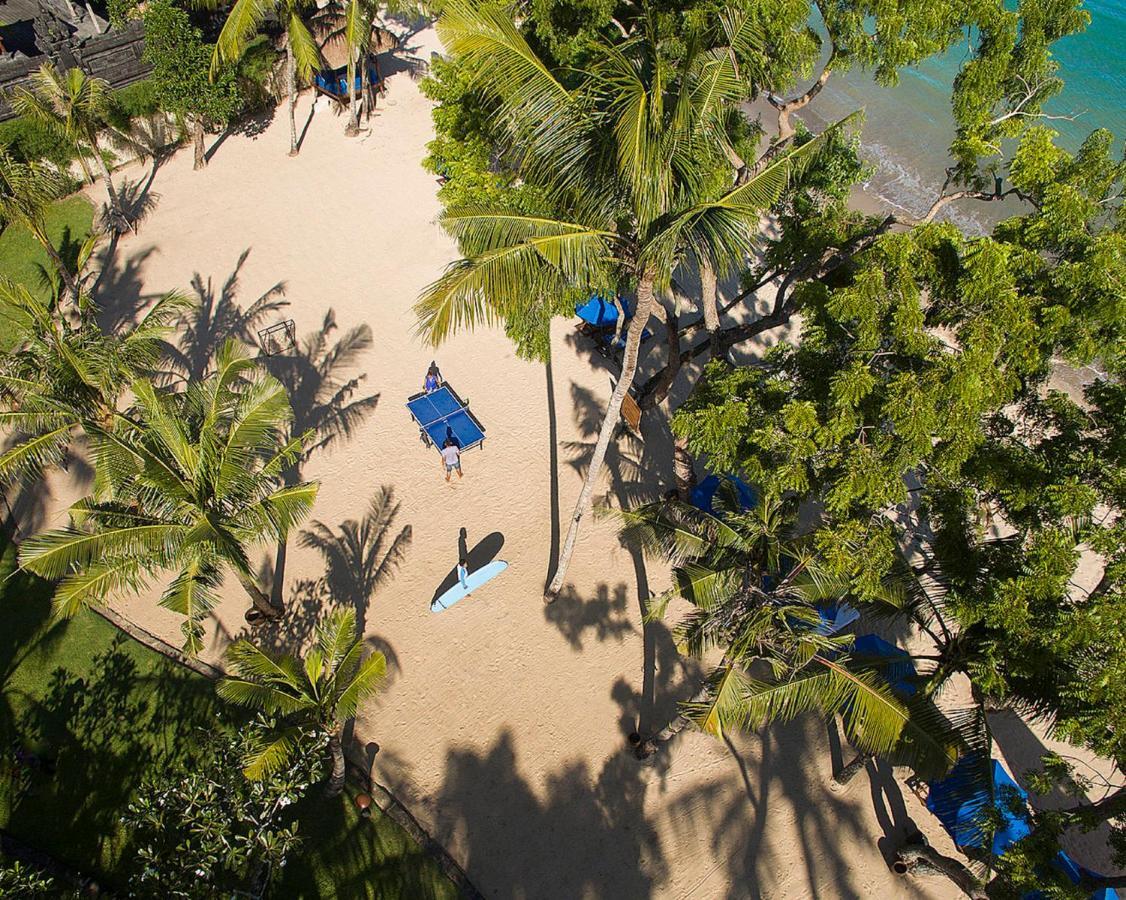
(28, 141)
(133, 100)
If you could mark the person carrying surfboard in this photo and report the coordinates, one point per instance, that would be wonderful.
(463, 574)
(451, 457)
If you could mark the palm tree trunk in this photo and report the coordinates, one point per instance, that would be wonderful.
(353, 126)
(645, 301)
(365, 88)
(200, 161)
(683, 468)
(847, 773)
(259, 597)
(291, 84)
(924, 859)
(85, 166)
(70, 283)
(708, 298)
(114, 201)
(336, 778)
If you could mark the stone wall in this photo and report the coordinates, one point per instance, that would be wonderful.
(115, 56)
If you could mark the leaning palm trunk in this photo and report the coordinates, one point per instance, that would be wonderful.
(259, 597)
(291, 86)
(336, 778)
(645, 303)
(117, 214)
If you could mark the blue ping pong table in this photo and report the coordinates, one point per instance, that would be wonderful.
(444, 414)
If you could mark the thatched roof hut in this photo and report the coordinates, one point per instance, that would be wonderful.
(329, 32)
(333, 77)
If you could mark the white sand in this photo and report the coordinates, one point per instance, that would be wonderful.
(504, 727)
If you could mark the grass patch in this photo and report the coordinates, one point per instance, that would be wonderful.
(99, 711)
(68, 224)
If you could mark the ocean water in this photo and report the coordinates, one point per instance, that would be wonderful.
(908, 128)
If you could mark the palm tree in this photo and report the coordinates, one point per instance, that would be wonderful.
(302, 57)
(186, 483)
(61, 376)
(633, 162)
(26, 192)
(314, 695)
(359, 19)
(74, 106)
(757, 593)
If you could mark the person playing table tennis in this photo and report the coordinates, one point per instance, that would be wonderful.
(451, 457)
(433, 379)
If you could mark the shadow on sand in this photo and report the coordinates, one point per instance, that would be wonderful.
(483, 553)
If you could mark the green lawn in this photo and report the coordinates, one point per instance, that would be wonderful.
(106, 710)
(68, 224)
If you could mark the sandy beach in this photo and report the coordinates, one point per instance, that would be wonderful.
(503, 726)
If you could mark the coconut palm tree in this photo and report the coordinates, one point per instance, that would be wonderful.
(757, 594)
(314, 696)
(359, 19)
(302, 56)
(62, 375)
(634, 167)
(73, 105)
(185, 483)
(26, 192)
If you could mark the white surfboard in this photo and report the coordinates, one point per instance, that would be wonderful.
(473, 581)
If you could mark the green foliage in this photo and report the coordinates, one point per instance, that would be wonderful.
(182, 80)
(26, 140)
(141, 98)
(309, 697)
(1002, 87)
(203, 829)
(21, 882)
(63, 374)
(184, 485)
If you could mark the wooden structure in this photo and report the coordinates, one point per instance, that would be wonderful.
(332, 79)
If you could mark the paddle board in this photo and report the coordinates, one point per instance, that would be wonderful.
(473, 581)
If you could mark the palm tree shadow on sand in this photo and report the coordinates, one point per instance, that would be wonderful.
(216, 317)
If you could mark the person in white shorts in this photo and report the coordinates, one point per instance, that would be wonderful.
(451, 457)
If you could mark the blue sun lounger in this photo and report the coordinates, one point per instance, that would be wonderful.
(444, 414)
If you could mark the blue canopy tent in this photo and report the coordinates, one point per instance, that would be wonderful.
(601, 312)
(703, 495)
(962, 803)
(899, 672)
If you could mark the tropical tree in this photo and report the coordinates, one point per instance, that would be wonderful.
(763, 596)
(202, 829)
(359, 19)
(302, 56)
(61, 377)
(314, 695)
(26, 192)
(74, 106)
(182, 74)
(185, 483)
(635, 174)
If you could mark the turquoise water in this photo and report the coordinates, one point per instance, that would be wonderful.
(908, 128)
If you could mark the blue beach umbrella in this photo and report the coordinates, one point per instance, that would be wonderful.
(601, 312)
